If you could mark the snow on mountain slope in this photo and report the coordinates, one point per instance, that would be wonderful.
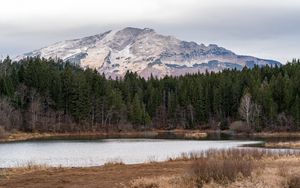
(145, 52)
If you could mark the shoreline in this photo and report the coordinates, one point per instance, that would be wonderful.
(283, 134)
(181, 133)
(268, 171)
(283, 145)
(25, 136)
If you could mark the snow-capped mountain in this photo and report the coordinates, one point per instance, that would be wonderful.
(146, 52)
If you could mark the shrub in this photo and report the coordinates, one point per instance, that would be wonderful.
(3, 133)
(172, 181)
(224, 166)
(224, 125)
(294, 181)
(2, 173)
(221, 171)
(145, 184)
(114, 162)
(240, 127)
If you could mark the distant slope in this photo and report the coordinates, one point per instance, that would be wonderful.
(145, 52)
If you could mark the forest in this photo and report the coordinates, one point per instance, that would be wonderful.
(47, 95)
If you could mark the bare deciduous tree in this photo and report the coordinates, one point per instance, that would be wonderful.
(248, 110)
(10, 117)
(245, 107)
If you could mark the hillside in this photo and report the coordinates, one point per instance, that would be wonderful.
(146, 52)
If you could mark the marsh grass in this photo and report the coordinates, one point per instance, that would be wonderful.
(286, 144)
(3, 133)
(152, 159)
(144, 183)
(163, 182)
(292, 178)
(221, 171)
(3, 174)
(282, 170)
(114, 162)
(294, 181)
(228, 165)
(248, 153)
(213, 166)
(28, 168)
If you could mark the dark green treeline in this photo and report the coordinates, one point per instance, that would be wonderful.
(46, 95)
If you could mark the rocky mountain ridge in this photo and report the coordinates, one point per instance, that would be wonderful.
(146, 52)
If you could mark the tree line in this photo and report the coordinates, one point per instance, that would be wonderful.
(38, 94)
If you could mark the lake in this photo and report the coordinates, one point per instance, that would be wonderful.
(85, 153)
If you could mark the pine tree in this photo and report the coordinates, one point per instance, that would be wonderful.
(296, 111)
(137, 111)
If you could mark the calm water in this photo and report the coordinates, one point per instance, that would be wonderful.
(84, 153)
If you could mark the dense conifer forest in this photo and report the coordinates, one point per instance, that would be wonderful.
(49, 95)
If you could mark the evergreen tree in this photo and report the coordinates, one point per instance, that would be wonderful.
(75, 99)
(296, 111)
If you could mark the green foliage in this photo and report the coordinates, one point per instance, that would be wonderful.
(296, 111)
(186, 101)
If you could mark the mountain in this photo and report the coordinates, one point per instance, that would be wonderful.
(146, 52)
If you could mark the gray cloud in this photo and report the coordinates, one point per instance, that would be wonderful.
(265, 29)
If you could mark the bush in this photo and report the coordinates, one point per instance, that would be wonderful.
(172, 181)
(145, 185)
(224, 125)
(114, 162)
(3, 174)
(294, 181)
(3, 133)
(221, 171)
(240, 127)
(224, 166)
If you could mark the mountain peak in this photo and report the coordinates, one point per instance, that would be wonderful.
(134, 29)
(146, 52)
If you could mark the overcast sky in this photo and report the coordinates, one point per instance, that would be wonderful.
(263, 28)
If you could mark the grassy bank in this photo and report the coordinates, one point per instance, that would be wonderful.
(277, 134)
(22, 136)
(180, 133)
(226, 168)
(283, 144)
(232, 168)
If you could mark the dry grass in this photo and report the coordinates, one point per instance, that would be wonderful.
(221, 171)
(268, 170)
(223, 154)
(289, 172)
(3, 173)
(29, 167)
(288, 144)
(117, 176)
(152, 159)
(21, 136)
(163, 182)
(3, 133)
(225, 166)
(236, 168)
(294, 181)
(277, 134)
(114, 162)
(232, 168)
(195, 135)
